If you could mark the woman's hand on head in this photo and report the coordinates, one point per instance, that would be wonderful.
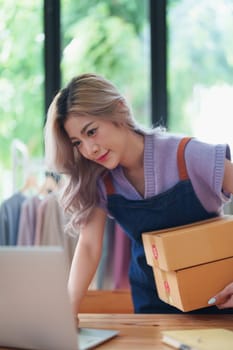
(224, 299)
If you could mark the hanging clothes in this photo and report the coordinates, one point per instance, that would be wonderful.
(9, 218)
(104, 275)
(121, 256)
(50, 226)
(28, 220)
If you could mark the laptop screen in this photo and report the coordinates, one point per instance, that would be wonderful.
(35, 311)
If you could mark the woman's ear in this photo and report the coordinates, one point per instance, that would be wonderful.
(121, 104)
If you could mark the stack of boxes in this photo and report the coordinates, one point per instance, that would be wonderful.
(191, 263)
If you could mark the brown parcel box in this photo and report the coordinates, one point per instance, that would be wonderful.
(190, 245)
(191, 288)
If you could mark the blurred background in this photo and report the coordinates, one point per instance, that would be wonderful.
(180, 49)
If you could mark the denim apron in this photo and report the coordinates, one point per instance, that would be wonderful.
(176, 206)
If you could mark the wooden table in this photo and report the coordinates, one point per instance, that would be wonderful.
(144, 331)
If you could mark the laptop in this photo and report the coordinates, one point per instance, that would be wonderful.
(35, 311)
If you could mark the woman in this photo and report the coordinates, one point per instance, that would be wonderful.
(146, 180)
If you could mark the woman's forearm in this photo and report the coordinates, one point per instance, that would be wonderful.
(86, 257)
(83, 268)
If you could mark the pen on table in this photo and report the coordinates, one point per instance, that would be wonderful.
(185, 347)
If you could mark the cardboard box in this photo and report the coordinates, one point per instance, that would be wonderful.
(190, 245)
(191, 288)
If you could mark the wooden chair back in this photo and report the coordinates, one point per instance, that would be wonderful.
(107, 302)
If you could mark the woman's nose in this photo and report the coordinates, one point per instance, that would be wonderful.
(91, 148)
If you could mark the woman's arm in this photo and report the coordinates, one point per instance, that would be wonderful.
(224, 299)
(86, 258)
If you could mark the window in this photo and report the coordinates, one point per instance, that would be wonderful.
(200, 62)
(110, 38)
(21, 85)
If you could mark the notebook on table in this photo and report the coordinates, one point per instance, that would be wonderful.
(199, 339)
(35, 311)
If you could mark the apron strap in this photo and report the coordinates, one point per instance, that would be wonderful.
(183, 174)
(108, 184)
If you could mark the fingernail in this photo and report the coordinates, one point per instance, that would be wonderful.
(212, 301)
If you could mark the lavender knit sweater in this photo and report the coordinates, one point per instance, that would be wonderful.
(205, 166)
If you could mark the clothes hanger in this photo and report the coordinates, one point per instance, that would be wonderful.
(30, 186)
(50, 184)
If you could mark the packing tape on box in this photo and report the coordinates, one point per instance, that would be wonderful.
(154, 251)
(167, 288)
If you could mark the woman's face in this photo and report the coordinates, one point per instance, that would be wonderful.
(98, 140)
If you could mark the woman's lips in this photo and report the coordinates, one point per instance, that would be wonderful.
(102, 158)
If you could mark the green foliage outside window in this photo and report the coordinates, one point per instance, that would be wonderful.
(109, 38)
(21, 76)
(200, 54)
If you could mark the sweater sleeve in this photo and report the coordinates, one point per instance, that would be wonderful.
(205, 165)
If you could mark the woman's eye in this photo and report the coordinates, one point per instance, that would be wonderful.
(76, 144)
(91, 132)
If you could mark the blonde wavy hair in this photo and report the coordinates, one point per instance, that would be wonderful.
(86, 94)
